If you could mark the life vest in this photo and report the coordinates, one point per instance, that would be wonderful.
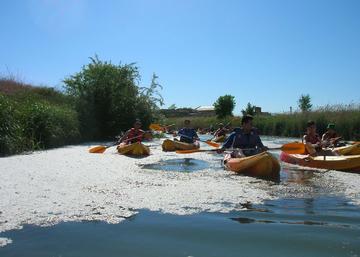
(135, 136)
(312, 139)
(328, 136)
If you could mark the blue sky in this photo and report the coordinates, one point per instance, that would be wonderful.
(264, 52)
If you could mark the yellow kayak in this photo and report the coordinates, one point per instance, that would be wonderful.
(171, 145)
(342, 163)
(137, 149)
(349, 149)
(262, 165)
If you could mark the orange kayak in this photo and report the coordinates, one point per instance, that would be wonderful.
(349, 163)
(137, 149)
(171, 145)
(262, 165)
(353, 149)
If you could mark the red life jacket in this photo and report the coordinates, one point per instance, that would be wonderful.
(135, 135)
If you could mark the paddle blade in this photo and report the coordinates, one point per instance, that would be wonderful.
(188, 151)
(97, 149)
(156, 127)
(294, 148)
(213, 144)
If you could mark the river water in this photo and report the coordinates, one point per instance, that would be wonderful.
(310, 215)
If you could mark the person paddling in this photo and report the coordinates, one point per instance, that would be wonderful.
(221, 131)
(134, 134)
(330, 138)
(311, 139)
(313, 143)
(245, 138)
(188, 134)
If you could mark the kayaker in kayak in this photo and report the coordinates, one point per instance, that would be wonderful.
(221, 131)
(246, 139)
(188, 134)
(311, 139)
(330, 138)
(134, 134)
(313, 143)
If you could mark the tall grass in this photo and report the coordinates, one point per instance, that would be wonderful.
(34, 118)
(345, 117)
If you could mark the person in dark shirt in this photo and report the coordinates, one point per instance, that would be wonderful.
(188, 134)
(246, 139)
(221, 131)
(330, 138)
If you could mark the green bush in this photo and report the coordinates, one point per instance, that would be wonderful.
(10, 131)
(30, 120)
(108, 99)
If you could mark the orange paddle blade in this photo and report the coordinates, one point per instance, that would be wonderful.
(212, 143)
(294, 148)
(156, 127)
(97, 149)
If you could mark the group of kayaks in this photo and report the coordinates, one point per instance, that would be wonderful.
(264, 164)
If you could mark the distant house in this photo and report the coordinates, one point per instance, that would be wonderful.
(185, 112)
(204, 111)
(259, 112)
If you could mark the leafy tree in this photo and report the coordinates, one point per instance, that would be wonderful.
(250, 109)
(304, 103)
(108, 99)
(148, 101)
(224, 106)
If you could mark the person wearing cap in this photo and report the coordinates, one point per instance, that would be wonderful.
(134, 134)
(188, 134)
(330, 137)
(246, 139)
(221, 131)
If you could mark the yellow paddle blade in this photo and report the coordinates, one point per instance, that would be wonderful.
(212, 144)
(156, 127)
(294, 148)
(97, 149)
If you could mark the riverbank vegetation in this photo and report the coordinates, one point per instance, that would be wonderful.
(34, 118)
(102, 100)
(346, 118)
(97, 103)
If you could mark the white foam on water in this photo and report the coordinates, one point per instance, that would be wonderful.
(70, 184)
(4, 241)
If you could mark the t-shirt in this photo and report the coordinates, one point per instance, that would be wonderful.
(187, 135)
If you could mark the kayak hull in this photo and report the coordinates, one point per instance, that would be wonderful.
(135, 149)
(171, 145)
(262, 165)
(349, 149)
(349, 163)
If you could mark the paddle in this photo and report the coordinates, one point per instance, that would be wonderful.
(213, 144)
(290, 148)
(158, 127)
(102, 148)
(227, 124)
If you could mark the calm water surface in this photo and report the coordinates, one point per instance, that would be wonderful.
(317, 225)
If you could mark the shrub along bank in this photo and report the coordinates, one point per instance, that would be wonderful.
(99, 102)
